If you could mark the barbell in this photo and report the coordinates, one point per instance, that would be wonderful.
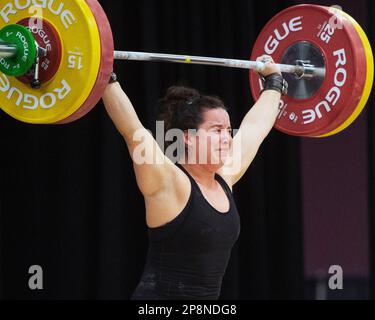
(55, 65)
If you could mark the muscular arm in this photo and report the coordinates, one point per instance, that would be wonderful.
(254, 128)
(121, 111)
(157, 173)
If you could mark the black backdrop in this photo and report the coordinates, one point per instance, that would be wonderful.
(68, 197)
(372, 163)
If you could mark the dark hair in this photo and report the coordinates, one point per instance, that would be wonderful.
(182, 108)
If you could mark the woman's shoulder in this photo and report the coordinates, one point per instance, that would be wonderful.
(226, 179)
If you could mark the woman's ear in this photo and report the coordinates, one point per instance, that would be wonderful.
(188, 136)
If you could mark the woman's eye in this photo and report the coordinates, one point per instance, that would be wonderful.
(219, 131)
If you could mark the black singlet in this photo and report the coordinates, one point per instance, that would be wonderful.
(188, 256)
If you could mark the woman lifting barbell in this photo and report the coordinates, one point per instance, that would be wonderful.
(191, 215)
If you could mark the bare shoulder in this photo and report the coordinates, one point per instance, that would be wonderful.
(165, 205)
(181, 182)
(177, 182)
(227, 178)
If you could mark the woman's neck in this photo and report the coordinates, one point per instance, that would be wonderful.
(202, 173)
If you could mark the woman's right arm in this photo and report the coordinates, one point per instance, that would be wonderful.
(158, 173)
(121, 111)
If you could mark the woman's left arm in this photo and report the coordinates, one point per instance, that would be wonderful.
(254, 128)
(256, 125)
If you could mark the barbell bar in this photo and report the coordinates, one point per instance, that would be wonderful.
(9, 50)
(323, 53)
(302, 70)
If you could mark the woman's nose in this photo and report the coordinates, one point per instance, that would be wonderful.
(225, 137)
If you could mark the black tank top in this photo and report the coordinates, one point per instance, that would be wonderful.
(188, 256)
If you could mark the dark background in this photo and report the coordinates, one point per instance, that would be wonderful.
(69, 200)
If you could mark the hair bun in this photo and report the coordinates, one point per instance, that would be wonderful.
(178, 110)
(180, 93)
(175, 98)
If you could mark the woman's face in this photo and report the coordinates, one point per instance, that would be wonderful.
(213, 141)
